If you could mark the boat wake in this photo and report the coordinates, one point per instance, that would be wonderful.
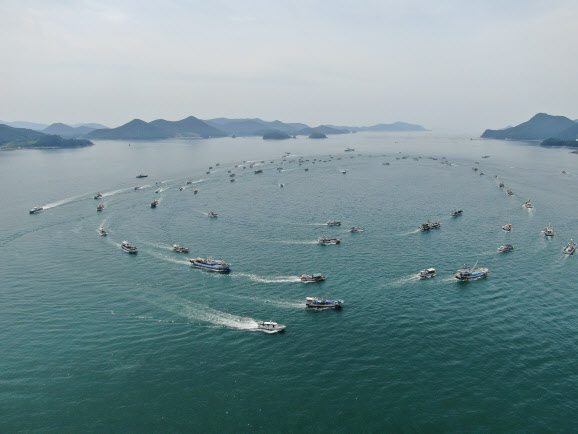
(276, 279)
(169, 259)
(64, 201)
(115, 192)
(410, 233)
(296, 242)
(404, 280)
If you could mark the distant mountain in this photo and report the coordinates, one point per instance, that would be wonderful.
(188, 127)
(395, 127)
(64, 130)
(90, 125)
(133, 130)
(23, 124)
(317, 135)
(158, 129)
(322, 129)
(560, 143)
(26, 138)
(542, 126)
(570, 133)
(254, 127)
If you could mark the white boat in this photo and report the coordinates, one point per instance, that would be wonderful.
(506, 248)
(212, 214)
(180, 249)
(154, 203)
(315, 277)
(211, 264)
(507, 227)
(100, 207)
(427, 273)
(328, 240)
(471, 273)
(181, 188)
(549, 231)
(429, 226)
(343, 171)
(270, 327)
(128, 247)
(355, 229)
(158, 190)
(98, 196)
(333, 223)
(570, 248)
(138, 188)
(528, 204)
(102, 231)
(36, 210)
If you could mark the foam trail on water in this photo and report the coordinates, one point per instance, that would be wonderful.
(115, 192)
(273, 279)
(64, 201)
(410, 233)
(169, 259)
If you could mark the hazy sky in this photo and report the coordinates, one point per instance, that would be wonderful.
(443, 64)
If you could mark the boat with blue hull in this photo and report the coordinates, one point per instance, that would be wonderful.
(321, 303)
(315, 277)
(211, 264)
(471, 273)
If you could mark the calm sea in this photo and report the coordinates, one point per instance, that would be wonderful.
(95, 339)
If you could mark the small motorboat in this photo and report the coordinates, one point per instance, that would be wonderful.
(321, 303)
(501, 185)
(212, 214)
(128, 247)
(270, 327)
(471, 273)
(570, 248)
(343, 171)
(307, 169)
(189, 182)
(102, 231)
(333, 223)
(258, 171)
(158, 190)
(349, 149)
(195, 191)
(506, 248)
(510, 192)
(181, 188)
(356, 229)
(507, 227)
(328, 240)
(100, 207)
(36, 210)
(180, 249)
(429, 226)
(427, 273)
(549, 231)
(138, 188)
(142, 176)
(211, 264)
(98, 196)
(528, 204)
(232, 175)
(154, 203)
(315, 277)
(456, 212)
(232, 180)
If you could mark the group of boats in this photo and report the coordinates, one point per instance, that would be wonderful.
(463, 275)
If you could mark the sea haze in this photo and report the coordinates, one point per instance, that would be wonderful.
(97, 339)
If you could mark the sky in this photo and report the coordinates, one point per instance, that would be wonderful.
(447, 64)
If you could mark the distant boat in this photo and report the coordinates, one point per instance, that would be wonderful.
(570, 248)
(528, 204)
(258, 171)
(212, 214)
(321, 303)
(181, 188)
(501, 185)
(471, 273)
(195, 191)
(549, 231)
(138, 188)
(356, 229)
(154, 203)
(36, 210)
(456, 212)
(507, 227)
(270, 327)
(211, 264)
(142, 176)
(128, 247)
(328, 240)
(180, 249)
(349, 149)
(100, 207)
(333, 223)
(98, 196)
(506, 248)
(102, 231)
(510, 192)
(427, 273)
(343, 171)
(315, 277)
(429, 226)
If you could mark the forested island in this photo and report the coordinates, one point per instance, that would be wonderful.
(19, 138)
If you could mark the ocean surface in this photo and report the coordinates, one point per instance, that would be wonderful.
(95, 339)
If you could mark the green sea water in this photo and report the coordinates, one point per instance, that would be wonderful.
(95, 339)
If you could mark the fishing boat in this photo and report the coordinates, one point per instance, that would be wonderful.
(355, 229)
(456, 212)
(180, 249)
(501, 185)
(315, 277)
(181, 188)
(270, 327)
(189, 182)
(36, 210)
(142, 176)
(258, 171)
(98, 196)
(510, 192)
(506, 248)
(211, 264)
(158, 190)
(212, 214)
(128, 247)
(427, 273)
(322, 303)
(154, 203)
(570, 248)
(471, 273)
(549, 231)
(343, 171)
(100, 207)
(429, 226)
(138, 188)
(349, 149)
(328, 240)
(195, 191)
(333, 223)
(507, 227)
(528, 204)
(232, 179)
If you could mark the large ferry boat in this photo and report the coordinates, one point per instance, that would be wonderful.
(471, 273)
(211, 264)
(321, 303)
(128, 247)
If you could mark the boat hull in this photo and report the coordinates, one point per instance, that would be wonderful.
(217, 268)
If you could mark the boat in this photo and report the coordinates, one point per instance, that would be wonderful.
(315, 277)
(471, 273)
(98, 196)
(507, 227)
(321, 303)
(258, 171)
(501, 185)
(128, 247)
(528, 204)
(549, 231)
(355, 229)
(138, 188)
(506, 248)
(142, 176)
(158, 190)
(570, 248)
(189, 182)
(100, 207)
(211, 264)
(36, 210)
(456, 212)
(270, 327)
(281, 185)
(349, 149)
(232, 180)
(212, 214)
(343, 171)
(232, 175)
(181, 188)
(102, 231)
(154, 203)
(195, 191)
(333, 223)
(429, 226)
(485, 156)
(427, 273)
(510, 192)
(328, 240)
(180, 249)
